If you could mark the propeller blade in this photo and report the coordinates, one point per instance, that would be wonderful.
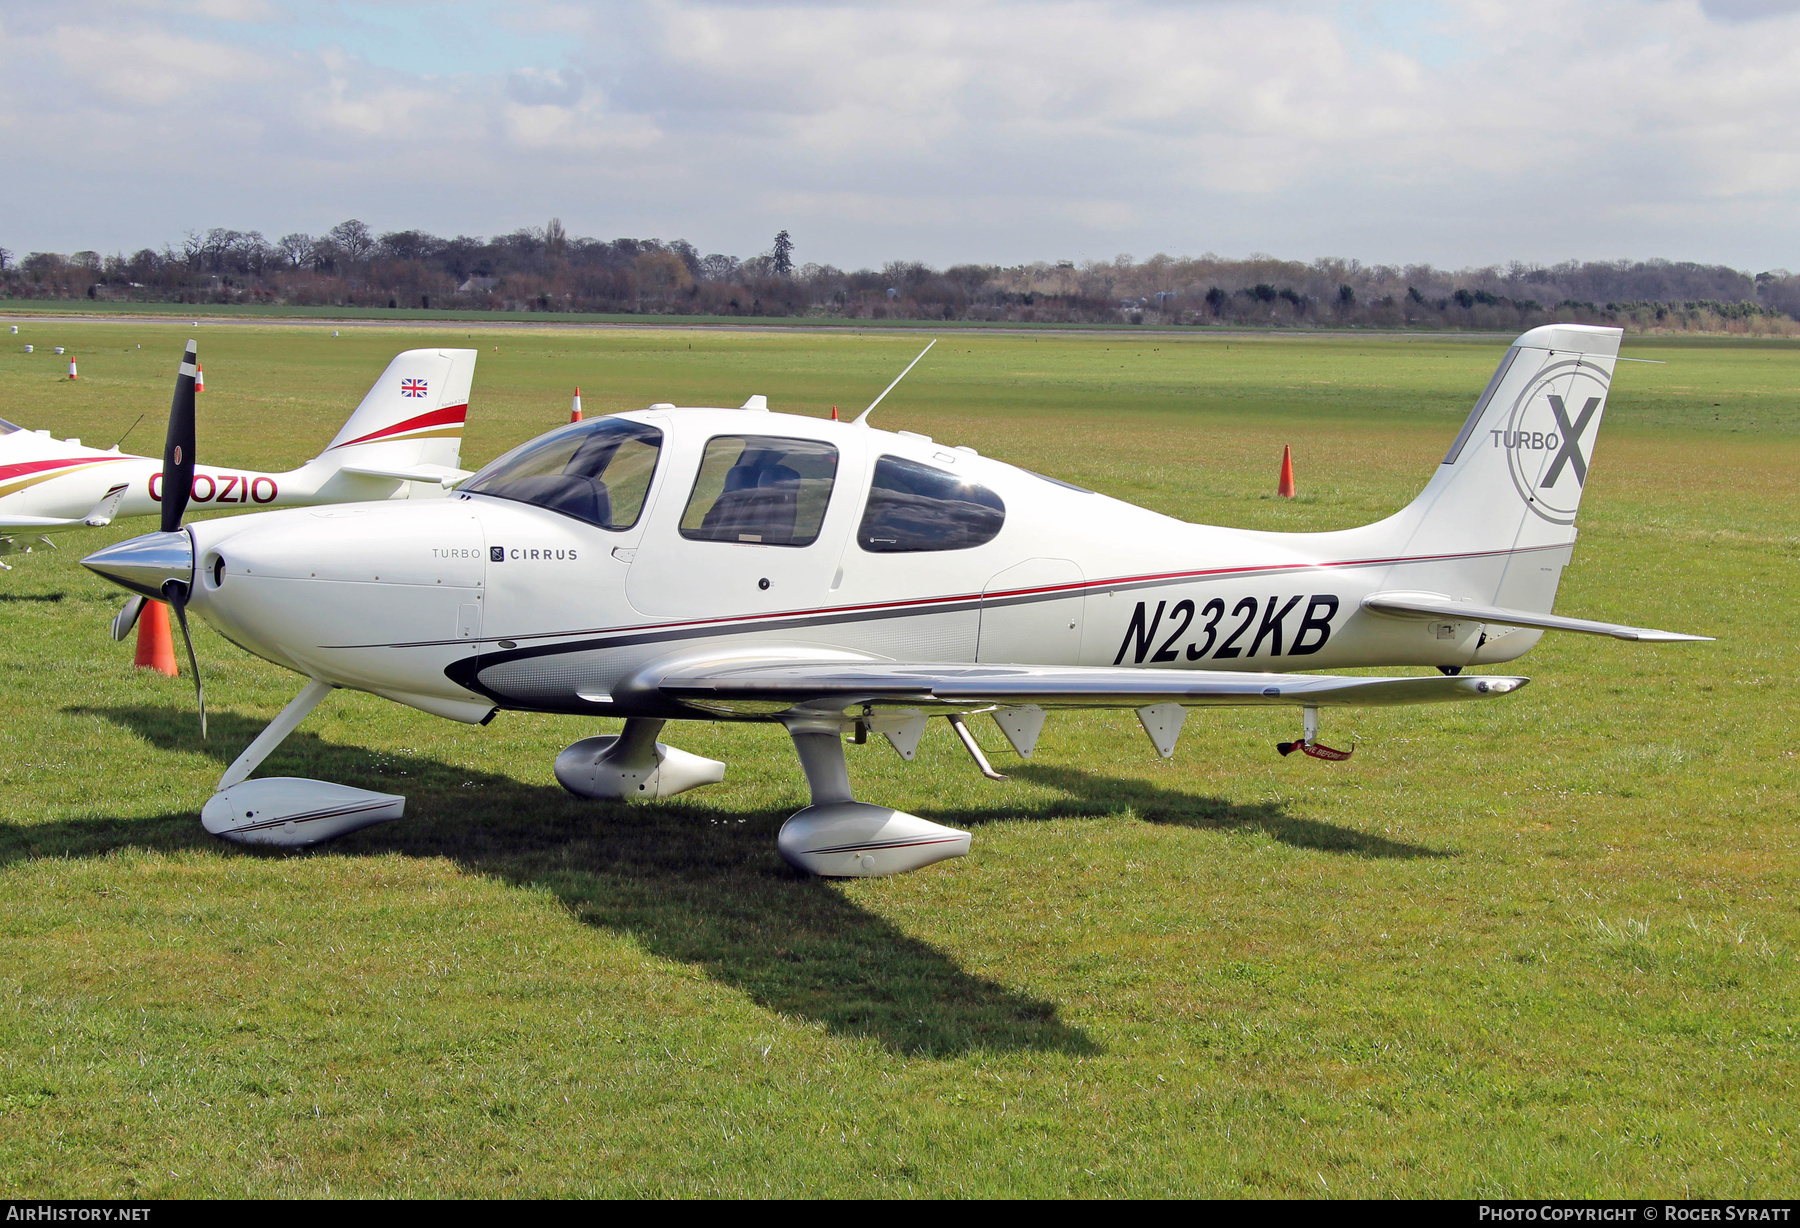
(178, 447)
(127, 618)
(176, 594)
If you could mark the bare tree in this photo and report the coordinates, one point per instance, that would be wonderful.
(295, 249)
(353, 239)
(718, 267)
(410, 245)
(216, 244)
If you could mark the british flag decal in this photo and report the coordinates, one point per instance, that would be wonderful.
(412, 387)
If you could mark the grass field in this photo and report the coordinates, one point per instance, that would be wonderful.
(1540, 946)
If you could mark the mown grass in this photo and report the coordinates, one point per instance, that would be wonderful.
(1540, 946)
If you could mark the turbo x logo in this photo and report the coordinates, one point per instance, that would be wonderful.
(1571, 433)
(1547, 444)
(1566, 445)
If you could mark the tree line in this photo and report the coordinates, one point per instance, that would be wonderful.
(545, 269)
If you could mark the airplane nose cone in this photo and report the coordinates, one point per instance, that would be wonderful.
(144, 564)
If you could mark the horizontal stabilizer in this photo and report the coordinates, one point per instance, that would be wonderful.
(734, 686)
(440, 475)
(1436, 605)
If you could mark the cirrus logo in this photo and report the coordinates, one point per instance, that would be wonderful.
(530, 554)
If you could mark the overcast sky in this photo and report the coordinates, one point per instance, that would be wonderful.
(1455, 133)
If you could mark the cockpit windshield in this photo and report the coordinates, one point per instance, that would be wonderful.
(597, 471)
(7, 428)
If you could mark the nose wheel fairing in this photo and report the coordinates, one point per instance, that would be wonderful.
(293, 812)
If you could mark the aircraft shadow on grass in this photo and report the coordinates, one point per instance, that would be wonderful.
(1090, 794)
(689, 884)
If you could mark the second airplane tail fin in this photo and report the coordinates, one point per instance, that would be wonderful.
(410, 424)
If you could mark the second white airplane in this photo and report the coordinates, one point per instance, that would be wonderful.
(723, 564)
(404, 440)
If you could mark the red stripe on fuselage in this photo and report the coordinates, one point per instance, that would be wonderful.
(1078, 586)
(438, 417)
(826, 613)
(24, 467)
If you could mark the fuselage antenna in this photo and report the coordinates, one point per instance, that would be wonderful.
(128, 431)
(909, 366)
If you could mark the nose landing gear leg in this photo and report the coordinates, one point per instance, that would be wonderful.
(289, 810)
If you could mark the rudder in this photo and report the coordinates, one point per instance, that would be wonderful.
(412, 416)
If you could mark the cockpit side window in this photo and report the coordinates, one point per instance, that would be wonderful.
(761, 490)
(914, 507)
(597, 471)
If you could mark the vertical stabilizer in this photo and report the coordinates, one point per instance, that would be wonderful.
(1513, 479)
(1516, 473)
(1495, 525)
(413, 416)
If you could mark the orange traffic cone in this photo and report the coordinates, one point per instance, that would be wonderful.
(575, 409)
(71, 368)
(155, 646)
(1286, 488)
(834, 416)
(199, 378)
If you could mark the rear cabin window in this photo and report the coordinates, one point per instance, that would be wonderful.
(597, 471)
(914, 507)
(761, 490)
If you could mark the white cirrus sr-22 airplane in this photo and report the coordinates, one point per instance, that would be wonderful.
(738, 564)
(404, 440)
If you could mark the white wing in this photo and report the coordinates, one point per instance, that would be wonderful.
(767, 686)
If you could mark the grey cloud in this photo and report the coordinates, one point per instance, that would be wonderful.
(1748, 10)
(998, 131)
(546, 87)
